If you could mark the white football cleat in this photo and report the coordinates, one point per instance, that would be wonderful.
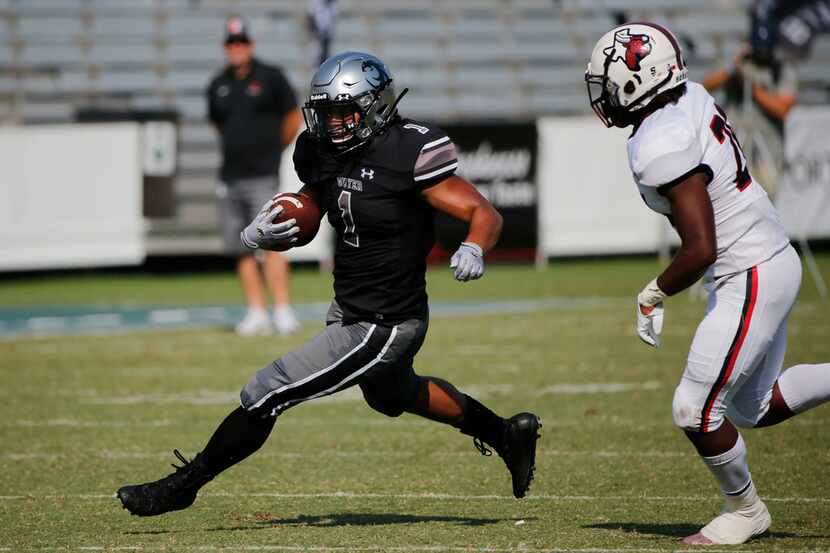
(255, 323)
(735, 525)
(285, 321)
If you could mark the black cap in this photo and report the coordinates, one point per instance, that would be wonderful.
(237, 30)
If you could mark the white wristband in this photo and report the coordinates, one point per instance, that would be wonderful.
(246, 242)
(651, 294)
(479, 252)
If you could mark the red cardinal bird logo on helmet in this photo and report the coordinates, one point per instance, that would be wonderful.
(631, 49)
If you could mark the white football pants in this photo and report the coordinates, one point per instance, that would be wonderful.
(738, 349)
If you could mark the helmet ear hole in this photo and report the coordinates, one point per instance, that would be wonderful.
(629, 88)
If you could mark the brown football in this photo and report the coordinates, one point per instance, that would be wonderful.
(302, 208)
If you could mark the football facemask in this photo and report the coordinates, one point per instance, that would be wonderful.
(334, 122)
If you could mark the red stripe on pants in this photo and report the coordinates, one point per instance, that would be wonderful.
(734, 349)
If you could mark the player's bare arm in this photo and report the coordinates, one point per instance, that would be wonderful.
(777, 105)
(694, 220)
(458, 197)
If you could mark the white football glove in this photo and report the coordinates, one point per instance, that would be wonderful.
(263, 233)
(650, 314)
(468, 262)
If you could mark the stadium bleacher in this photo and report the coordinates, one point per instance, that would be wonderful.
(481, 59)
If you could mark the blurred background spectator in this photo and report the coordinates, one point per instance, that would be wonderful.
(255, 111)
(759, 90)
(320, 19)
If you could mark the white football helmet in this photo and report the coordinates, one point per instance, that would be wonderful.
(630, 65)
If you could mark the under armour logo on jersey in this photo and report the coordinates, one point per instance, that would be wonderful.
(367, 173)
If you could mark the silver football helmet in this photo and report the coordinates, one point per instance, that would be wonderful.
(351, 100)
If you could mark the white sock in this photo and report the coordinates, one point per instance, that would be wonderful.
(258, 311)
(731, 470)
(805, 386)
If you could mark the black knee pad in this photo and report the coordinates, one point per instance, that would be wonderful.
(391, 400)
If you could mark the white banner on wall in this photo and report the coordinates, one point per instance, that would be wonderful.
(70, 196)
(803, 199)
(588, 202)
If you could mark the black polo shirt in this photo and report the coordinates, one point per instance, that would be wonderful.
(249, 113)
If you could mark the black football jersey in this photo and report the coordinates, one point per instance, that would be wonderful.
(385, 228)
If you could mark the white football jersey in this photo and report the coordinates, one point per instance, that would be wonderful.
(694, 136)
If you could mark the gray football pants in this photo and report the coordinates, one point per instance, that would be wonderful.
(377, 358)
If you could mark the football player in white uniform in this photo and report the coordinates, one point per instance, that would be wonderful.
(688, 165)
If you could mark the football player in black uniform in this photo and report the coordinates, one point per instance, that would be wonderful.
(380, 178)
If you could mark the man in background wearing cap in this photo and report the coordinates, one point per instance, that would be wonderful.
(255, 111)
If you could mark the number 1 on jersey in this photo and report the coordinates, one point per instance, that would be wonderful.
(344, 202)
(721, 129)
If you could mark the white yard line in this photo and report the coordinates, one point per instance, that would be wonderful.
(73, 423)
(292, 421)
(403, 548)
(438, 497)
(364, 453)
(356, 548)
(598, 388)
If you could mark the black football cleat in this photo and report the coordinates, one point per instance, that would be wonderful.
(172, 493)
(519, 450)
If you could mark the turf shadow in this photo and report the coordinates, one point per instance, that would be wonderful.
(361, 519)
(678, 530)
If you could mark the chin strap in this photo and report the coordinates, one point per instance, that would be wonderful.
(394, 107)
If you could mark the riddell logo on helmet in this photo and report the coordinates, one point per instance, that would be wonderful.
(630, 49)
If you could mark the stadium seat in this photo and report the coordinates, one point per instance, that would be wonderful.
(704, 23)
(476, 52)
(117, 29)
(821, 48)
(49, 111)
(553, 76)
(118, 7)
(420, 78)
(199, 161)
(194, 53)
(67, 54)
(360, 44)
(482, 29)
(43, 7)
(49, 29)
(131, 82)
(352, 27)
(397, 55)
(120, 55)
(430, 107)
(282, 52)
(192, 106)
(397, 29)
(8, 85)
(544, 102)
(205, 28)
(489, 106)
(188, 81)
(477, 79)
(74, 82)
(200, 134)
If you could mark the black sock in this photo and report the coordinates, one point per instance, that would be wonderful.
(239, 435)
(482, 423)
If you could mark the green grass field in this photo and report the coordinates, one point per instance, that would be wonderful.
(83, 415)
